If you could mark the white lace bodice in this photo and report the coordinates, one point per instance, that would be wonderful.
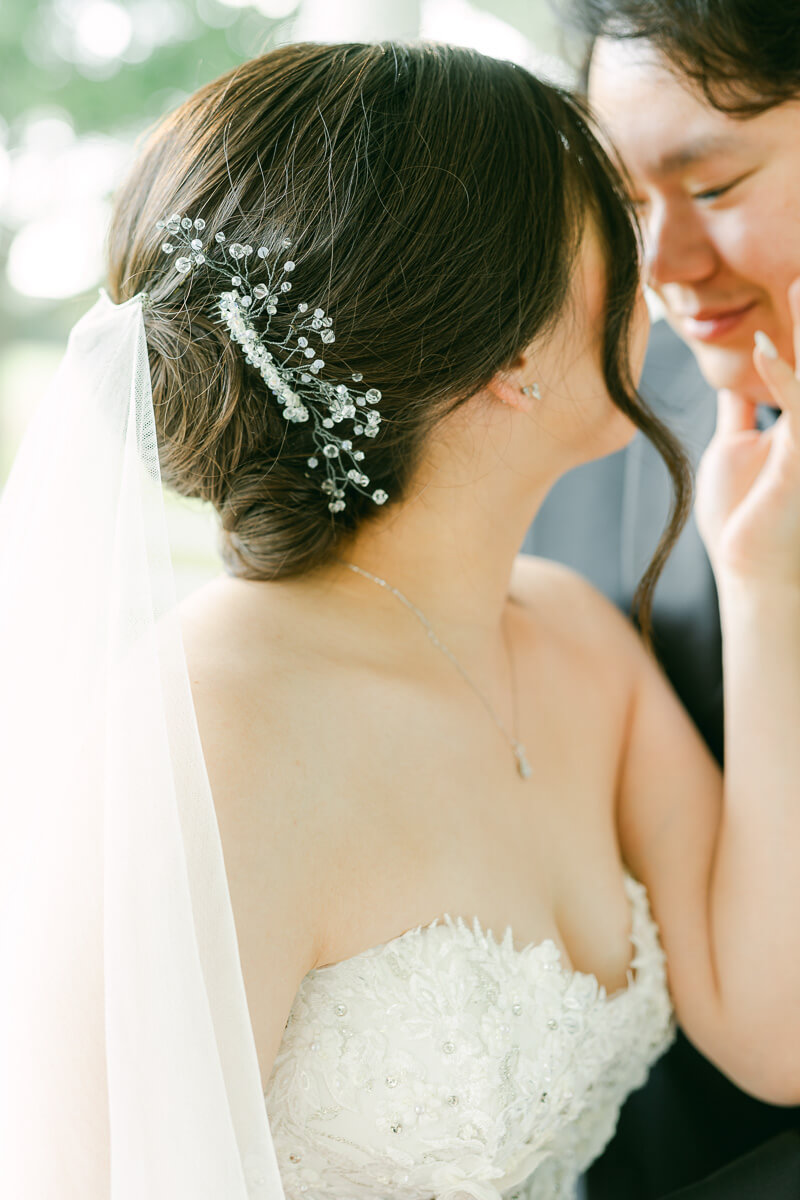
(445, 1063)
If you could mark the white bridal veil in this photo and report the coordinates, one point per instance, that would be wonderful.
(128, 1068)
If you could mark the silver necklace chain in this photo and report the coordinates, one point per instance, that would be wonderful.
(523, 765)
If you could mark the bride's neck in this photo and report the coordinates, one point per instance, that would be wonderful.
(449, 545)
(450, 550)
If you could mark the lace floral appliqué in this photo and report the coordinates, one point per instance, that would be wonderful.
(448, 1064)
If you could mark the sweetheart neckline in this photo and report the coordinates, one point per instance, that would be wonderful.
(636, 893)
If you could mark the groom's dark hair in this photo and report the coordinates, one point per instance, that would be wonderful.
(743, 55)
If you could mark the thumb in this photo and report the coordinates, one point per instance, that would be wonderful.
(735, 413)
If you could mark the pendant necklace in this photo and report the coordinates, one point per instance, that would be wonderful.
(523, 766)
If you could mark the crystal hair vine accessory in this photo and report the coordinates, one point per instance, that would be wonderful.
(289, 366)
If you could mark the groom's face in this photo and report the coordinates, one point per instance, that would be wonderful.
(719, 203)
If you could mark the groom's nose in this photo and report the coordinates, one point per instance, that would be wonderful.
(677, 247)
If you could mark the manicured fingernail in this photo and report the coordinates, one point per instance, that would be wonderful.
(765, 344)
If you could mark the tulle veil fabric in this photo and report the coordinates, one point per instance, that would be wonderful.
(128, 1066)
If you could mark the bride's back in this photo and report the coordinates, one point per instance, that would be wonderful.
(385, 796)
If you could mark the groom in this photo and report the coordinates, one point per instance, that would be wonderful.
(701, 98)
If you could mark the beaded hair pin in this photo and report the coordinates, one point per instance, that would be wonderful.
(290, 367)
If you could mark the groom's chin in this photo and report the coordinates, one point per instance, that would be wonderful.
(726, 367)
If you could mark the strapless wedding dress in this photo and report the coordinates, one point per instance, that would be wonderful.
(445, 1063)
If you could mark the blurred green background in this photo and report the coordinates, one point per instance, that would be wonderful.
(80, 80)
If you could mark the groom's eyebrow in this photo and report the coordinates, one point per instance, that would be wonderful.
(692, 152)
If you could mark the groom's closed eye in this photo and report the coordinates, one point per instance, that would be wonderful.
(722, 189)
(641, 203)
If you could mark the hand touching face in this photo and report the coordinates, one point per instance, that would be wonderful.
(748, 481)
(719, 203)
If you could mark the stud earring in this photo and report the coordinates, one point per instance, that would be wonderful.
(531, 389)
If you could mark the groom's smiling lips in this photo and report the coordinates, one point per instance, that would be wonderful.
(709, 324)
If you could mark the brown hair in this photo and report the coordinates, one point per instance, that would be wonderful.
(435, 199)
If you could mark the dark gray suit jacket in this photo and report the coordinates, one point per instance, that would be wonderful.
(604, 519)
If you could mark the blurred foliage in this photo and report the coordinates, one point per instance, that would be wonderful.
(177, 46)
(207, 39)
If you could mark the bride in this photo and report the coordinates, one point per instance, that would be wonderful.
(479, 860)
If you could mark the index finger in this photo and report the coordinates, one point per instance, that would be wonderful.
(794, 308)
(735, 413)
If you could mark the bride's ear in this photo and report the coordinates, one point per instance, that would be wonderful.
(513, 389)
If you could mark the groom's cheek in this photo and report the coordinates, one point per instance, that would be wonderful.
(759, 249)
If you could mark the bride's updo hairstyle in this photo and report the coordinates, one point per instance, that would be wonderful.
(435, 200)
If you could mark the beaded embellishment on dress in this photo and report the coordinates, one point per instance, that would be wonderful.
(447, 1064)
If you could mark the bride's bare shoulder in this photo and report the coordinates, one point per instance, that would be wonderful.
(216, 620)
(241, 719)
(571, 605)
(241, 673)
(535, 580)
